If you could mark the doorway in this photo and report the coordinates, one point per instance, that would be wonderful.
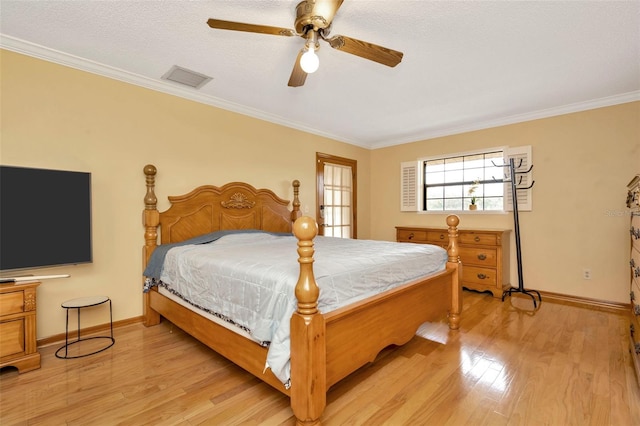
(336, 196)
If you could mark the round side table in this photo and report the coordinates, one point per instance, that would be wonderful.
(78, 304)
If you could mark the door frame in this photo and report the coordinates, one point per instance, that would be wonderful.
(321, 159)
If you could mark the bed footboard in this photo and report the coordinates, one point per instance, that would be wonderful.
(326, 348)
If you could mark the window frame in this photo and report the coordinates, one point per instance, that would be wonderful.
(465, 183)
(412, 189)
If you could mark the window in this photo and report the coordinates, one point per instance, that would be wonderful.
(457, 182)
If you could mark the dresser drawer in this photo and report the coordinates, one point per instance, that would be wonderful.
(634, 347)
(407, 235)
(477, 275)
(634, 263)
(473, 238)
(478, 256)
(634, 330)
(635, 230)
(12, 336)
(634, 295)
(435, 237)
(11, 303)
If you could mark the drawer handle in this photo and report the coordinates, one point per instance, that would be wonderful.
(636, 309)
(482, 256)
(476, 239)
(411, 236)
(637, 346)
(636, 272)
(632, 296)
(482, 276)
(632, 263)
(442, 236)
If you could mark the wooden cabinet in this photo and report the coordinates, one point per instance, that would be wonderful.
(633, 203)
(18, 326)
(484, 254)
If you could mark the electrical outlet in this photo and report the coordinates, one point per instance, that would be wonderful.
(586, 274)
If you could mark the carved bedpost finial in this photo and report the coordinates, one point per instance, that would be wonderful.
(150, 214)
(307, 291)
(150, 199)
(150, 220)
(295, 213)
(453, 221)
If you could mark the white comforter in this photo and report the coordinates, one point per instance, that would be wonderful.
(250, 278)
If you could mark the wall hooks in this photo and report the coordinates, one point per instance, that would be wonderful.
(509, 165)
(527, 187)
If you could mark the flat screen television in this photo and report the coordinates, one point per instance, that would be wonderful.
(45, 218)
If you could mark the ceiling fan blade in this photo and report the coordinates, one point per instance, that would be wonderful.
(298, 76)
(250, 28)
(366, 50)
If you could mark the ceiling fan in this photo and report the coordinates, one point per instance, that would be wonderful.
(313, 23)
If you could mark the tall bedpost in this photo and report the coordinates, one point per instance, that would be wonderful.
(453, 263)
(295, 213)
(151, 220)
(308, 344)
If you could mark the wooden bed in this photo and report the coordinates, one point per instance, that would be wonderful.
(324, 347)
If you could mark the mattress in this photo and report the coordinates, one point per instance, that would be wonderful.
(248, 280)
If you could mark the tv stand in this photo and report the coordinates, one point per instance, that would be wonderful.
(18, 326)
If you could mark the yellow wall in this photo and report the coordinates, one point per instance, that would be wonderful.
(60, 118)
(56, 117)
(582, 163)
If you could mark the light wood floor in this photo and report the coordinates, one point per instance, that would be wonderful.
(560, 365)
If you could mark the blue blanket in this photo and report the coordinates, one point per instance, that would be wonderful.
(156, 262)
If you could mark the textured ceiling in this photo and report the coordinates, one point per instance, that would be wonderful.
(467, 64)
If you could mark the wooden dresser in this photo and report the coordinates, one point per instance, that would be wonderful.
(633, 203)
(18, 326)
(484, 254)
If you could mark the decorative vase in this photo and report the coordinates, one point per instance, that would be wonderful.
(473, 207)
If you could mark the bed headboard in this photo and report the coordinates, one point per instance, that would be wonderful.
(210, 208)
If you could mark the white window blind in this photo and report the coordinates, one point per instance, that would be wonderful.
(522, 161)
(410, 186)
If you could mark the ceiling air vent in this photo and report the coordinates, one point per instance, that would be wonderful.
(187, 77)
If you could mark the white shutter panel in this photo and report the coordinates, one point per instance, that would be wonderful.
(410, 186)
(522, 160)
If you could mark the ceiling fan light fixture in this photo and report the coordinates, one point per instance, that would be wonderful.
(309, 61)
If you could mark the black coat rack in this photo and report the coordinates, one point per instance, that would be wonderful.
(515, 187)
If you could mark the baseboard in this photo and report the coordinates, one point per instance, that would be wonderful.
(582, 302)
(87, 331)
(547, 297)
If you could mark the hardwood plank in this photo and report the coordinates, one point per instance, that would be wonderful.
(507, 365)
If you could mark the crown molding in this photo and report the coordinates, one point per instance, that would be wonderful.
(517, 118)
(82, 64)
(61, 58)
